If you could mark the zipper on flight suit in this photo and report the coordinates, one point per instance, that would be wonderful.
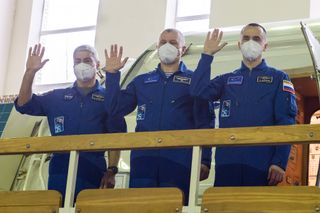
(162, 102)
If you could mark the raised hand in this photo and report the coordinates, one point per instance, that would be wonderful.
(212, 43)
(113, 61)
(34, 61)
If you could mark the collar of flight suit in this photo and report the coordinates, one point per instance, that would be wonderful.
(261, 66)
(182, 68)
(96, 87)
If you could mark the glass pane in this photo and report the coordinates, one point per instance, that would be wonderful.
(193, 26)
(193, 7)
(59, 50)
(61, 14)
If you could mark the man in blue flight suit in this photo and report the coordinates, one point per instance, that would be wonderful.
(253, 95)
(163, 103)
(80, 109)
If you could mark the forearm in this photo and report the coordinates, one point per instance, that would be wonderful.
(25, 92)
(201, 77)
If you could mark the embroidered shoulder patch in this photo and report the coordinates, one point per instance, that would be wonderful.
(288, 87)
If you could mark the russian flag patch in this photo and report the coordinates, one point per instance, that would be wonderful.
(288, 87)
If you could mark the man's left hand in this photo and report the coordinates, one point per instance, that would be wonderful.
(204, 172)
(276, 175)
(108, 180)
(114, 60)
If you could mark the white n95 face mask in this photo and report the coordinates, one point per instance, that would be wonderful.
(251, 50)
(167, 53)
(84, 72)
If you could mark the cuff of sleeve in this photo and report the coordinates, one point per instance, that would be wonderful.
(207, 57)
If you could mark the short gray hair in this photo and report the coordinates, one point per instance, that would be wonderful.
(87, 48)
(180, 34)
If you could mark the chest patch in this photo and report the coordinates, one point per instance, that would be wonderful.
(235, 80)
(151, 79)
(141, 112)
(97, 97)
(181, 79)
(265, 79)
(68, 97)
(225, 108)
(59, 124)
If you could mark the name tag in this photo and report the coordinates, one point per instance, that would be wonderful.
(97, 97)
(68, 97)
(265, 79)
(181, 79)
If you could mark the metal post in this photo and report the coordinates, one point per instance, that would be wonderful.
(71, 183)
(194, 180)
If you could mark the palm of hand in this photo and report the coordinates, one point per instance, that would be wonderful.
(113, 63)
(34, 63)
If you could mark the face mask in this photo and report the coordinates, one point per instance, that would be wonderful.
(167, 53)
(84, 72)
(251, 50)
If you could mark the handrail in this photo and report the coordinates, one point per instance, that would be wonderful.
(293, 134)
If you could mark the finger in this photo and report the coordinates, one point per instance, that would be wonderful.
(272, 179)
(220, 36)
(124, 61)
(38, 49)
(30, 51)
(208, 36)
(115, 50)
(222, 45)
(215, 33)
(120, 52)
(111, 50)
(42, 52)
(106, 53)
(34, 51)
(43, 63)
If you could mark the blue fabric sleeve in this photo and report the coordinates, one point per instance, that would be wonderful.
(201, 86)
(35, 106)
(285, 112)
(203, 118)
(120, 102)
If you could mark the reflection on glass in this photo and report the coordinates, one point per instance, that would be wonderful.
(193, 26)
(62, 14)
(192, 7)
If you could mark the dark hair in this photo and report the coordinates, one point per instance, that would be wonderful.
(254, 25)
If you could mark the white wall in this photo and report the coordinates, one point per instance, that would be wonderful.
(7, 12)
(133, 24)
(19, 41)
(228, 13)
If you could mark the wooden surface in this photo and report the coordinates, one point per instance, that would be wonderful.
(140, 200)
(302, 134)
(47, 201)
(293, 199)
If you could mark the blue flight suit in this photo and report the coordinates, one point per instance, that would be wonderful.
(162, 104)
(71, 113)
(263, 96)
